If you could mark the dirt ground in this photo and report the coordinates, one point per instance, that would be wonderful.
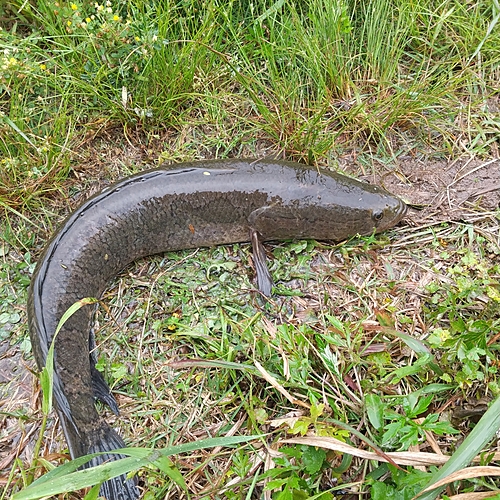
(448, 190)
(463, 190)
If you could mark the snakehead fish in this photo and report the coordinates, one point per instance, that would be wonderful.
(198, 204)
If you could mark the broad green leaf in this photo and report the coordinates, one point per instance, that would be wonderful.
(375, 410)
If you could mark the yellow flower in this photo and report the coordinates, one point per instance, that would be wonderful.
(87, 20)
(69, 23)
(74, 6)
(137, 39)
(43, 67)
(116, 18)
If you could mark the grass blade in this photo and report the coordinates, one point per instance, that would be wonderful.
(56, 482)
(484, 432)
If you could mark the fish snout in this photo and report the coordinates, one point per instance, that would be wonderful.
(394, 211)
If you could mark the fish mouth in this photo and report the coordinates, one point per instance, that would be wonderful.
(395, 213)
(400, 211)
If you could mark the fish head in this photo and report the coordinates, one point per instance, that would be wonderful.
(325, 205)
(356, 207)
(387, 210)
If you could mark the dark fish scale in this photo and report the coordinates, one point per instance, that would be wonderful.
(197, 204)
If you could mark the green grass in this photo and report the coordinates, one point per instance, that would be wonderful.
(373, 341)
(311, 78)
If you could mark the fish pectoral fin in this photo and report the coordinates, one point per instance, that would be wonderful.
(264, 280)
(101, 389)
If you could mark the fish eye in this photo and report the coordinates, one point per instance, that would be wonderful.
(378, 216)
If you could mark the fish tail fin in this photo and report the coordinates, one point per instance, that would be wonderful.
(102, 439)
(117, 488)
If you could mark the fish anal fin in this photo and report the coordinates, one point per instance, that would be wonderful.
(101, 389)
